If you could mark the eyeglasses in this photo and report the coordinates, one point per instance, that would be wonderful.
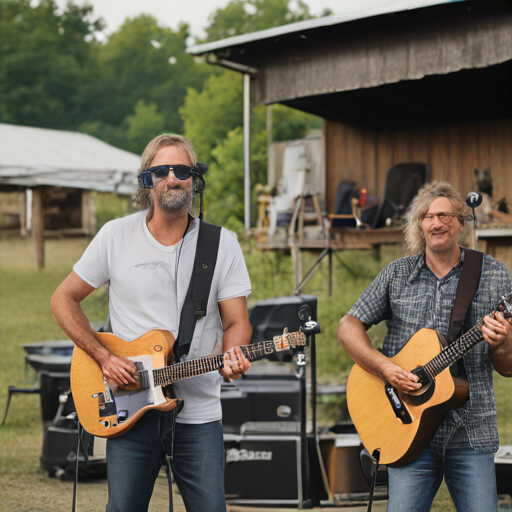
(444, 217)
(181, 172)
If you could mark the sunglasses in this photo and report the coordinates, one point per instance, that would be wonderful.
(181, 172)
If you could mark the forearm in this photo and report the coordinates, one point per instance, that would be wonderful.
(72, 320)
(501, 357)
(354, 339)
(237, 334)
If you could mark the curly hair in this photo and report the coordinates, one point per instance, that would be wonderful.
(143, 198)
(414, 239)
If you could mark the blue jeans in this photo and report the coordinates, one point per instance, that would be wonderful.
(469, 475)
(196, 458)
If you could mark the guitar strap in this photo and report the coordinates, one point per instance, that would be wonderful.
(196, 300)
(468, 284)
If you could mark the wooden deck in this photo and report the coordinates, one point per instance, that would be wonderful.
(341, 239)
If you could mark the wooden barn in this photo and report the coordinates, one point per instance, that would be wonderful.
(431, 84)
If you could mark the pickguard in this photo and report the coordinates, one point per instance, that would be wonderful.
(128, 403)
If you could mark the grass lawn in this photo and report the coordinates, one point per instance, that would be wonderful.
(25, 314)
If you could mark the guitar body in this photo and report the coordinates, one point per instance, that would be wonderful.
(400, 441)
(108, 411)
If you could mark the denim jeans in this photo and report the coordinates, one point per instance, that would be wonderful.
(196, 458)
(469, 475)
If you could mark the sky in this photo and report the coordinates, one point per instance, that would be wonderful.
(195, 12)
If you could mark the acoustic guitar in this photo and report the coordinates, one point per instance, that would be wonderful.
(106, 410)
(400, 425)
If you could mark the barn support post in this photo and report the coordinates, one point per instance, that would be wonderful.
(38, 225)
(247, 152)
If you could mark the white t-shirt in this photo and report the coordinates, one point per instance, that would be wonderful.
(144, 294)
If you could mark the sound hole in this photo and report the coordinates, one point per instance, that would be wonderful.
(422, 395)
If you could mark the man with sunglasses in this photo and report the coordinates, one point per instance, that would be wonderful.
(147, 258)
(419, 291)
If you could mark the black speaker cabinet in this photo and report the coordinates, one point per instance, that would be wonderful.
(264, 470)
(503, 466)
(260, 398)
(270, 316)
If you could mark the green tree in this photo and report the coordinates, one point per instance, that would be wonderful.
(210, 114)
(46, 60)
(145, 124)
(143, 61)
(244, 16)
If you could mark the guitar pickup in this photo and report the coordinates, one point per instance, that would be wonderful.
(106, 408)
(397, 405)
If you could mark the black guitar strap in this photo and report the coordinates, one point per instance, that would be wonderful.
(468, 284)
(196, 300)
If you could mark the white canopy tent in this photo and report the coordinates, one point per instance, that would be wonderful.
(33, 159)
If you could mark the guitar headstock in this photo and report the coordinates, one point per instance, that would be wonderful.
(289, 340)
(505, 307)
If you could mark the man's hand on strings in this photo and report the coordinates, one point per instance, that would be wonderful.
(118, 369)
(235, 364)
(400, 378)
(495, 330)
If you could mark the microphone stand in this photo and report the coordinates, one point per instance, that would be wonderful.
(475, 236)
(473, 200)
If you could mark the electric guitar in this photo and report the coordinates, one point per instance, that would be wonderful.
(106, 410)
(400, 425)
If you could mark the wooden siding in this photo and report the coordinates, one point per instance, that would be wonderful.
(453, 153)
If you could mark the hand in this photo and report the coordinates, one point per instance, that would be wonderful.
(236, 364)
(118, 369)
(400, 378)
(495, 330)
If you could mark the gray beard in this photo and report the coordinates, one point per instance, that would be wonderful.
(176, 200)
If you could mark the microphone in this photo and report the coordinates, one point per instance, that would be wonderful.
(474, 199)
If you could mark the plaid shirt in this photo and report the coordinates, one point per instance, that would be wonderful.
(409, 296)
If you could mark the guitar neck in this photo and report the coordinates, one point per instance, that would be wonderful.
(179, 371)
(455, 350)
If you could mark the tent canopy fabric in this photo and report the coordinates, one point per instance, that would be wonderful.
(31, 157)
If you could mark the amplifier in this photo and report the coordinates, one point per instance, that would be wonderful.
(503, 466)
(260, 398)
(264, 470)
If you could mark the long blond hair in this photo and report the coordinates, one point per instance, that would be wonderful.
(143, 198)
(414, 239)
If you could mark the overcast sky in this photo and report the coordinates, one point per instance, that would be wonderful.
(194, 12)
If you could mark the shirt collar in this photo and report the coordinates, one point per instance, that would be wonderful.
(422, 263)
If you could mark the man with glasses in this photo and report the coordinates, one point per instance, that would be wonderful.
(419, 291)
(147, 258)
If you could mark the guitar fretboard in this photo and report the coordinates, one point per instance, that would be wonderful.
(465, 343)
(193, 368)
(186, 369)
(455, 350)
